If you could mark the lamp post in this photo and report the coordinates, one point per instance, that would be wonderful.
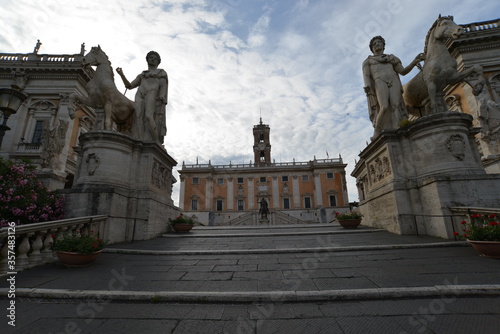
(10, 101)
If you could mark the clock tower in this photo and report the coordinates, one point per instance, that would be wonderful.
(261, 144)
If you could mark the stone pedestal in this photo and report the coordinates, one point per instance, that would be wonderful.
(129, 180)
(409, 178)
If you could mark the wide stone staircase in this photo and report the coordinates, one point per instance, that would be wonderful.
(314, 278)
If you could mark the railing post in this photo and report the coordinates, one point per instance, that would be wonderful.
(22, 259)
(47, 253)
(36, 257)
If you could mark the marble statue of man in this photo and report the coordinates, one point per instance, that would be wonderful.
(383, 87)
(150, 100)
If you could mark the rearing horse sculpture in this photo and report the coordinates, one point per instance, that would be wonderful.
(440, 68)
(104, 94)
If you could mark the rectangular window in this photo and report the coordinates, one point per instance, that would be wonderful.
(196, 180)
(333, 200)
(286, 203)
(240, 205)
(305, 177)
(194, 205)
(219, 205)
(307, 202)
(240, 180)
(37, 135)
(329, 175)
(262, 179)
(284, 178)
(220, 181)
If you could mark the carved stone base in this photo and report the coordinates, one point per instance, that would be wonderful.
(129, 180)
(408, 178)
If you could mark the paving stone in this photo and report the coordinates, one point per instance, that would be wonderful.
(337, 283)
(245, 267)
(287, 285)
(202, 276)
(152, 326)
(266, 311)
(372, 325)
(258, 275)
(229, 286)
(198, 327)
(299, 326)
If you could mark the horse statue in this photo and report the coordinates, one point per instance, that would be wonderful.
(439, 70)
(264, 209)
(103, 94)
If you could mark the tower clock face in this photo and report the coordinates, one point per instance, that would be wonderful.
(261, 146)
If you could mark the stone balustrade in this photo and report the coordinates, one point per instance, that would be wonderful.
(292, 164)
(33, 241)
(479, 26)
(468, 211)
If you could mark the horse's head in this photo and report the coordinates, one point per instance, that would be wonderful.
(445, 28)
(95, 57)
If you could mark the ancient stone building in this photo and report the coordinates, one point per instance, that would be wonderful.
(43, 131)
(294, 191)
(480, 45)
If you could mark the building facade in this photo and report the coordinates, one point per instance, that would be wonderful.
(44, 131)
(480, 45)
(294, 192)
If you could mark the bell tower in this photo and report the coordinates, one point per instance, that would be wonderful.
(261, 144)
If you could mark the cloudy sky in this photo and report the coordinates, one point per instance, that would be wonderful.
(295, 62)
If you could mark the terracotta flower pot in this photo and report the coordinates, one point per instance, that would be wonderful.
(487, 248)
(349, 223)
(182, 227)
(72, 259)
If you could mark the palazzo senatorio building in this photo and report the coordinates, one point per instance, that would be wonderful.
(295, 192)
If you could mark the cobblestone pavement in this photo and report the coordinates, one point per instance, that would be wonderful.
(302, 279)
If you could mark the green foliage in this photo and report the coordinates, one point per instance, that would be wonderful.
(481, 228)
(81, 244)
(349, 215)
(182, 220)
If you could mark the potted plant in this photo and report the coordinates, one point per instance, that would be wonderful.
(349, 220)
(78, 250)
(483, 233)
(182, 223)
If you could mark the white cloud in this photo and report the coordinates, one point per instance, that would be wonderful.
(297, 62)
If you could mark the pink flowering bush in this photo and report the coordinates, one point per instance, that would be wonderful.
(23, 198)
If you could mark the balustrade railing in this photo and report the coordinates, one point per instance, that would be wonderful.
(245, 219)
(26, 246)
(292, 164)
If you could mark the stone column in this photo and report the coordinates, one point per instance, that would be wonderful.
(230, 194)
(296, 192)
(275, 193)
(318, 190)
(182, 192)
(250, 192)
(209, 187)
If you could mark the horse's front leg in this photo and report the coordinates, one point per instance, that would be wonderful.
(466, 75)
(77, 101)
(431, 88)
(108, 119)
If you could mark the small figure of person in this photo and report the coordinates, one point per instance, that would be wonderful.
(383, 86)
(150, 100)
